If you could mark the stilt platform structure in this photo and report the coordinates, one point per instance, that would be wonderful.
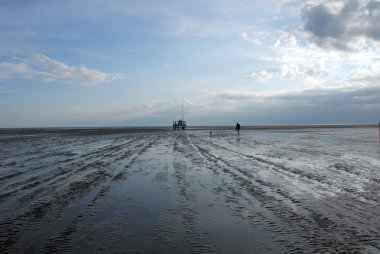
(180, 124)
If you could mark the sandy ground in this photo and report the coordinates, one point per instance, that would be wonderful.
(265, 191)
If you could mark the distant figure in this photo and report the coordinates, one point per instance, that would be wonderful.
(210, 133)
(237, 128)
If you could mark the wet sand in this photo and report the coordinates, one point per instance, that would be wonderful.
(288, 190)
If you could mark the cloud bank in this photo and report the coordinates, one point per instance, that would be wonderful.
(310, 106)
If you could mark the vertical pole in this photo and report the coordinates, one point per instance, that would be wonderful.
(182, 117)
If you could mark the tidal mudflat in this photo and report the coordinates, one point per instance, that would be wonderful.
(160, 191)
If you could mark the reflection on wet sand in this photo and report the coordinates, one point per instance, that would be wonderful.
(265, 191)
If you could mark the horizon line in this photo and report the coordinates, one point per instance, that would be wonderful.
(199, 127)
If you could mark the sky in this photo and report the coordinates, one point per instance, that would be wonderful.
(92, 63)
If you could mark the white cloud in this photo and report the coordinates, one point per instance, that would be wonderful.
(292, 72)
(256, 38)
(330, 45)
(9, 70)
(42, 67)
(286, 37)
(260, 76)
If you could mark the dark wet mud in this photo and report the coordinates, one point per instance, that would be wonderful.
(265, 191)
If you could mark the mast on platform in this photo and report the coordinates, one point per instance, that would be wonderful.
(180, 124)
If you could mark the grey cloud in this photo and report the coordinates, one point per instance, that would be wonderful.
(314, 106)
(370, 79)
(336, 27)
(322, 23)
(328, 98)
(373, 29)
(314, 96)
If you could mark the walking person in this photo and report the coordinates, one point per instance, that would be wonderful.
(237, 128)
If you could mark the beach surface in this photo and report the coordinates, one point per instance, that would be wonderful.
(313, 190)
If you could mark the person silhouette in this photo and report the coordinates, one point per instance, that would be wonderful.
(237, 128)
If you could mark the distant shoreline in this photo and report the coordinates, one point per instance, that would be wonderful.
(112, 130)
(278, 127)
